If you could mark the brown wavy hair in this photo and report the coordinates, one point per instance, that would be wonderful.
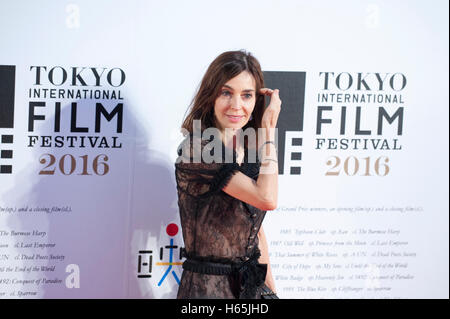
(225, 67)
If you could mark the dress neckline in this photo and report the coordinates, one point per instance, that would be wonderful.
(244, 158)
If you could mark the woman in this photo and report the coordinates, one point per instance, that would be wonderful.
(222, 204)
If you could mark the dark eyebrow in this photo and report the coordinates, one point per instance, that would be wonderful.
(229, 87)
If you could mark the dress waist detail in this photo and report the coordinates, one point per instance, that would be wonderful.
(245, 277)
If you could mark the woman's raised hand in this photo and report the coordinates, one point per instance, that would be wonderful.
(271, 113)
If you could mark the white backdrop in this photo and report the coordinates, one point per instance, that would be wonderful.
(81, 231)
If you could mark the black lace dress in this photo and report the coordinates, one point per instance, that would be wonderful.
(218, 228)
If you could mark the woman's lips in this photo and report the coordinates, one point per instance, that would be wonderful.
(235, 119)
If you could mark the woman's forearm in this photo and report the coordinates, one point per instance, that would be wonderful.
(267, 181)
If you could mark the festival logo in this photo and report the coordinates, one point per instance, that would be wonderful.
(169, 257)
(79, 110)
(361, 113)
(7, 91)
(291, 118)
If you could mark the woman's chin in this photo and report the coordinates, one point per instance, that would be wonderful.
(235, 127)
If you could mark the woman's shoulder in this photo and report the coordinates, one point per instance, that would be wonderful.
(196, 153)
(192, 145)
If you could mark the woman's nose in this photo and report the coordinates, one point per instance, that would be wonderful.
(236, 102)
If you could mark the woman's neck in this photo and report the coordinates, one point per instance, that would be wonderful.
(231, 139)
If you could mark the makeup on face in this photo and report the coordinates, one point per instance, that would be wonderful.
(236, 101)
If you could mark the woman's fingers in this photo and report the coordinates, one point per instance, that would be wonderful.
(274, 96)
(266, 91)
(270, 116)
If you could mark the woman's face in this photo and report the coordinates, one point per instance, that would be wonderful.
(236, 101)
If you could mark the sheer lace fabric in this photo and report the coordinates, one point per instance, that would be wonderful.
(215, 226)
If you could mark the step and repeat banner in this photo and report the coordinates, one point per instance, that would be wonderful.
(92, 97)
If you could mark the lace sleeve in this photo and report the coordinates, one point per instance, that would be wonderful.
(201, 179)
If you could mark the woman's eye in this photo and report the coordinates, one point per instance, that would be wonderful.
(248, 96)
(225, 93)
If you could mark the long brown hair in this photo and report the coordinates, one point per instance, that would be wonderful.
(225, 67)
